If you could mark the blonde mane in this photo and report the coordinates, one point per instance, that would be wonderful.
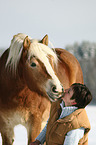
(39, 50)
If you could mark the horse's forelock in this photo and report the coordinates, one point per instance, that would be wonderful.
(43, 52)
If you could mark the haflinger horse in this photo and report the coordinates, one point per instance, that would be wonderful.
(31, 76)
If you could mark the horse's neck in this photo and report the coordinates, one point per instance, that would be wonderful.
(11, 86)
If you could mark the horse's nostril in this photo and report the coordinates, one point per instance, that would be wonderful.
(54, 89)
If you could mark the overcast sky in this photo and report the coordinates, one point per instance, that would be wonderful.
(65, 21)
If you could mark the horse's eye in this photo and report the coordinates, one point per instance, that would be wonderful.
(33, 64)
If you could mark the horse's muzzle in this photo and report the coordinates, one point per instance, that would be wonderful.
(54, 95)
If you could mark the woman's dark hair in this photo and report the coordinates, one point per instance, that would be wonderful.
(81, 94)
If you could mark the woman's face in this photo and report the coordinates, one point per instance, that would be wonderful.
(68, 93)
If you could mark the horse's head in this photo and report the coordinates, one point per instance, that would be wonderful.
(37, 60)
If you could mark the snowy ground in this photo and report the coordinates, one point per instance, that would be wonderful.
(21, 135)
(91, 111)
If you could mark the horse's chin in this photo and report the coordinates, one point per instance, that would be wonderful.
(53, 97)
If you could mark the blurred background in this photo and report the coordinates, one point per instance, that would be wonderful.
(70, 24)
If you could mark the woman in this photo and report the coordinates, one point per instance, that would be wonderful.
(68, 123)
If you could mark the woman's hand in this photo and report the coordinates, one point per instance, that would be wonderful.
(37, 142)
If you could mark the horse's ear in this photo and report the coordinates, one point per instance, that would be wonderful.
(45, 40)
(26, 43)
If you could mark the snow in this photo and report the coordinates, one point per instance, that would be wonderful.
(91, 111)
(21, 134)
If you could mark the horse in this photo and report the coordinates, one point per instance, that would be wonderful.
(31, 76)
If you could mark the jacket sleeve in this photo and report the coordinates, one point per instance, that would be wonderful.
(42, 136)
(73, 136)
